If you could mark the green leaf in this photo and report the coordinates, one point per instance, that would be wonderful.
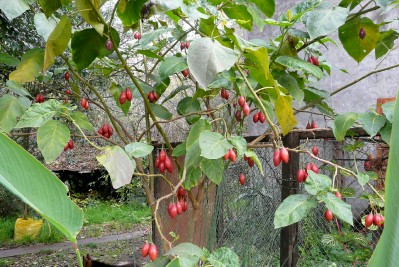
(385, 43)
(161, 112)
(11, 108)
(50, 6)
(179, 89)
(89, 15)
(386, 133)
(239, 13)
(285, 113)
(387, 109)
(338, 207)
(44, 26)
(259, 65)
(116, 91)
(342, 123)
(17, 88)
(356, 47)
(315, 183)
(57, 42)
(30, 66)
(8, 60)
(254, 157)
(192, 158)
(300, 65)
(189, 105)
(118, 165)
(81, 119)
(293, 209)
(224, 257)
(159, 262)
(386, 252)
(193, 177)
(38, 187)
(266, 6)
(291, 84)
(363, 178)
(171, 65)
(186, 250)
(372, 122)
(51, 139)
(206, 58)
(87, 45)
(240, 144)
(38, 114)
(138, 149)
(179, 150)
(195, 131)
(13, 9)
(213, 145)
(213, 169)
(151, 36)
(324, 21)
(129, 11)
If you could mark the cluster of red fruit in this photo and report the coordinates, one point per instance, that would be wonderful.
(39, 98)
(106, 130)
(181, 205)
(69, 145)
(377, 220)
(231, 155)
(149, 250)
(84, 103)
(185, 73)
(280, 155)
(152, 96)
(311, 125)
(244, 106)
(163, 162)
(184, 45)
(224, 93)
(249, 160)
(259, 116)
(313, 60)
(302, 175)
(137, 36)
(125, 95)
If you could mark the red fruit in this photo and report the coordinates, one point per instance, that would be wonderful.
(368, 221)
(84, 103)
(66, 147)
(110, 130)
(251, 162)
(182, 45)
(162, 155)
(180, 192)
(151, 97)
(157, 162)
(67, 76)
(227, 155)
(301, 176)
(162, 167)
(145, 249)
(66, 100)
(137, 36)
(338, 194)
(242, 179)
(172, 210)
(241, 101)
(234, 104)
(153, 252)
(129, 95)
(105, 128)
(246, 158)
(155, 96)
(168, 164)
(367, 165)
(246, 110)
(222, 92)
(39, 98)
(184, 206)
(70, 144)
(313, 125)
(308, 126)
(328, 215)
(255, 118)
(238, 115)
(106, 135)
(122, 98)
(310, 60)
(226, 94)
(262, 117)
(362, 33)
(378, 220)
(276, 157)
(185, 73)
(108, 45)
(187, 45)
(311, 166)
(315, 150)
(68, 92)
(232, 155)
(284, 155)
(179, 208)
(100, 131)
(315, 61)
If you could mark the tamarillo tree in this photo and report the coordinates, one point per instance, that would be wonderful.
(114, 56)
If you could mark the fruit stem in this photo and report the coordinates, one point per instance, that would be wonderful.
(154, 175)
(85, 137)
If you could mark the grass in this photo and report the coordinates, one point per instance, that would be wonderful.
(116, 216)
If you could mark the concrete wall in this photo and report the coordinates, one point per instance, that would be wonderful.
(358, 97)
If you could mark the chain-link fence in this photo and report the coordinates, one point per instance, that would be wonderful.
(242, 217)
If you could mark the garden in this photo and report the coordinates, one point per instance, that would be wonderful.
(198, 133)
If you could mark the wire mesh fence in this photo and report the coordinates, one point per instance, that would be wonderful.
(242, 217)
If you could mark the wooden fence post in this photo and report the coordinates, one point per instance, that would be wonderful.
(288, 234)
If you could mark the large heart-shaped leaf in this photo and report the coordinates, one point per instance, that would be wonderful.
(372, 122)
(342, 123)
(324, 21)
(293, 209)
(51, 139)
(38, 187)
(38, 114)
(213, 169)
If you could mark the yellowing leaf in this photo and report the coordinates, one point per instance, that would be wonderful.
(285, 113)
(89, 15)
(30, 66)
